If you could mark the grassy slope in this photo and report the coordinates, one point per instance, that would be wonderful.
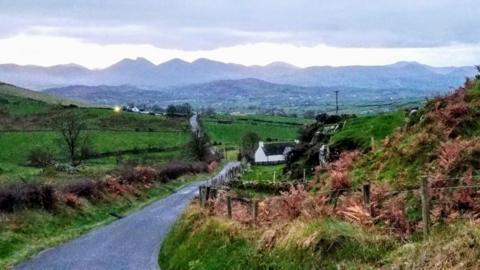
(14, 91)
(415, 150)
(360, 130)
(33, 117)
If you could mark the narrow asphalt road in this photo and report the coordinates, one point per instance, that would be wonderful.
(194, 123)
(132, 242)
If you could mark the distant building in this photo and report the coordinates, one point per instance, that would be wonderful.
(271, 153)
(134, 109)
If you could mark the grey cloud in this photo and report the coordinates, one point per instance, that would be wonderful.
(209, 24)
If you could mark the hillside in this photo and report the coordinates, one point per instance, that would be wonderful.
(144, 74)
(14, 91)
(29, 120)
(329, 224)
(440, 142)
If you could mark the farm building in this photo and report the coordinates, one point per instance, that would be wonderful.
(271, 153)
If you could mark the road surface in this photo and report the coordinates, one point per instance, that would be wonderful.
(132, 242)
(194, 123)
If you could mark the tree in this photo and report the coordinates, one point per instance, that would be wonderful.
(171, 110)
(199, 146)
(71, 128)
(185, 109)
(249, 144)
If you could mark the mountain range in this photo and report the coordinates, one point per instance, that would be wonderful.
(144, 74)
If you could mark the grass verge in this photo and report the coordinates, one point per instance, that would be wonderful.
(199, 241)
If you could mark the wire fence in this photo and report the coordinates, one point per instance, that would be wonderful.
(423, 191)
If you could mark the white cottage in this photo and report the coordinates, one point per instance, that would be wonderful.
(272, 152)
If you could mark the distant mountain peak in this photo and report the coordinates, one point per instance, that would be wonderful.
(205, 60)
(175, 61)
(281, 65)
(135, 63)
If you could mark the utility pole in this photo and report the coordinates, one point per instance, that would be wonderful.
(336, 102)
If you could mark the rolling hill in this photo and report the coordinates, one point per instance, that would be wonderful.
(14, 91)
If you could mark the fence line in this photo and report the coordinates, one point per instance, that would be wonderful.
(207, 192)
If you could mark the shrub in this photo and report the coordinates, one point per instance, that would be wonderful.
(89, 189)
(177, 169)
(339, 169)
(27, 196)
(139, 174)
(71, 200)
(40, 158)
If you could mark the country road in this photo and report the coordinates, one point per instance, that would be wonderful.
(132, 242)
(194, 123)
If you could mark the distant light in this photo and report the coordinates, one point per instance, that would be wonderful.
(117, 109)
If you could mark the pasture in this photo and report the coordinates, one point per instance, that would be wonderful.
(230, 129)
(16, 146)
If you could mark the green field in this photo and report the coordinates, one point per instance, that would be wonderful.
(264, 173)
(13, 160)
(359, 131)
(230, 129)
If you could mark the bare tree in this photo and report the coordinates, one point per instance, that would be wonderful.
(70, 127)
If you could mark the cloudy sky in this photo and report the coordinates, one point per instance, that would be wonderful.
(98, 33)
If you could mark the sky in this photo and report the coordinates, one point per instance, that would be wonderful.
(305, 33)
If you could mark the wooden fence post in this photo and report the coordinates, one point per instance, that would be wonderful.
(366, 198)
(425, 207)
(200, 195)
(207, 193)
(255, 210)
(229, 207)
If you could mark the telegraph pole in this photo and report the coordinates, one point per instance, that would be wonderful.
(336, 102)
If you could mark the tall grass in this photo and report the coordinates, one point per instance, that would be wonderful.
(199, 241)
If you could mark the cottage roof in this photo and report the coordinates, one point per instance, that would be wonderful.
(272, 149)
